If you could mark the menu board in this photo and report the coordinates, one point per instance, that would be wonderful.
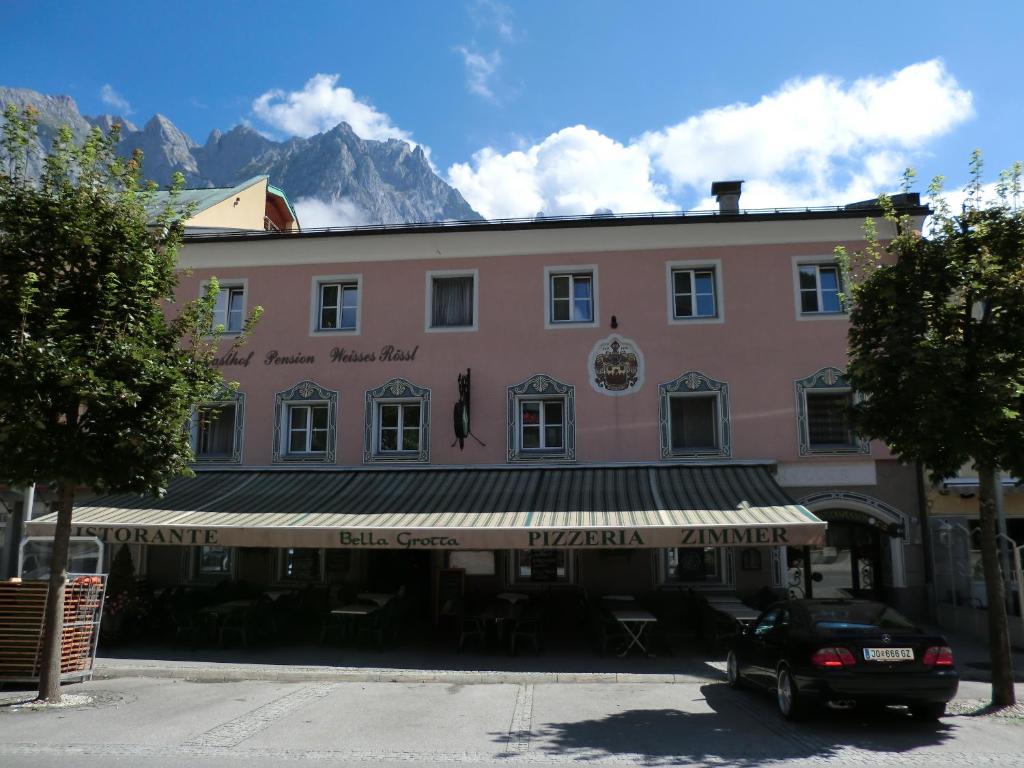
(544, 565)
(302, 564)
(450, 586)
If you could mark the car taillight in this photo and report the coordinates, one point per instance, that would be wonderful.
(938, 656)
(833, 657)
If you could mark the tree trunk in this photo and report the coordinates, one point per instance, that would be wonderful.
(998, 628)
(53, 626)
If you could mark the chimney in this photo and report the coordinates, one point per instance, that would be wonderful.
(727, 193)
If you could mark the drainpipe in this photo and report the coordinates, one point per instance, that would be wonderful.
(926, 531)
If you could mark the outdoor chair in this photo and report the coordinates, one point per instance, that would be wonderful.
(185, 626)
(527, 628)
(237, 623)
(605, 629)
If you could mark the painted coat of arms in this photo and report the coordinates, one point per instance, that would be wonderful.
(616, 366)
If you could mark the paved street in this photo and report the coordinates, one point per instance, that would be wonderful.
(158, 722)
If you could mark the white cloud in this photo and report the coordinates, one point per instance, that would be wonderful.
(338, 212)
(815, 141)
(576, 170)
(815, 137)
(321, 105)
(115, 100)
(479, 69)
(491, 13)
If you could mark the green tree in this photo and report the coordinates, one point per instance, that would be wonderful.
(99, 370)
(937, 349)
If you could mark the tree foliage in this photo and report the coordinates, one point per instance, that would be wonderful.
(937, 333)
(99, 367)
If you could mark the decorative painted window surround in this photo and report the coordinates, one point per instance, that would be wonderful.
(315, 304)
(694, 384)
(237, 399)
(395, 391)
(712, 265)
(576, 269)
(542, 387)
(304, 393)
(819, 314)
(831, 381)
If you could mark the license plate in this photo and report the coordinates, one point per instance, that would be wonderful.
(889, 654)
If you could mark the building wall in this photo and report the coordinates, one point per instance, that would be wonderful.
(244, 210)
(760, 349)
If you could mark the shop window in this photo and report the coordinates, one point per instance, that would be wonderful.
(229, 307)
(452, 301)
(304, 424)
(217, 429)
(541, 566)
(823, 402)
(696, 565)
(336, 302)
(572, 297)
(541, 420)
(819, 289)
(300, 565)
(694, 417)
(213, 562)
(397, 423)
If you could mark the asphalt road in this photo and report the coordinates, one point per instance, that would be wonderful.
(256, 724)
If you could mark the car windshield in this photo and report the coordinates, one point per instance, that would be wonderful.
(856, 617)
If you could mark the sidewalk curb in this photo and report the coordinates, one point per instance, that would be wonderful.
(348, 675)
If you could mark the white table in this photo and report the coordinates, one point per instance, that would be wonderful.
(634, 621)
(619, 598)
(380, 598)
(512, 597)
(356, 609)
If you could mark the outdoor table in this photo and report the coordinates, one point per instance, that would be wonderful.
(619, 598)
(634, 621)
(276, 594)
(740, 613)
(380, 598)
(355, 609)
(221, 609)
(512, 597)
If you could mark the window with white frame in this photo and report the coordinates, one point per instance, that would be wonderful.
(229, 309)
(337, 305)
(695, 565)
(824, 401)
(217, 430)
(452, 301)
(694, 293)
(542, 421)
(307, 428)
(694, 422)
(397, 423)
(694, 417)
(304, 424)
(542, 425)
(820, 288)
(571, 297)
(541, 566)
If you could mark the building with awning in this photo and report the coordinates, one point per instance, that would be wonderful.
(479, 508)
(560, 407)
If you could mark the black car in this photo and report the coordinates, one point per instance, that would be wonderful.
(845, 654)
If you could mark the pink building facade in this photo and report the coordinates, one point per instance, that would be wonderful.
(681, 376)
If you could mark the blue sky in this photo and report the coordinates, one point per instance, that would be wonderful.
(566, 107)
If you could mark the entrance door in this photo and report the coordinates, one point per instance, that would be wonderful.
(847, 566)
(849, 561)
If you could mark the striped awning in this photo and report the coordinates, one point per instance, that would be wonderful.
(463, 508)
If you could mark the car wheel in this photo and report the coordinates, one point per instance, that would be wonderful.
(791, 706)
(928, 712)
(732, 671)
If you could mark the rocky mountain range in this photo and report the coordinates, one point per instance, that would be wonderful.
(370, 182)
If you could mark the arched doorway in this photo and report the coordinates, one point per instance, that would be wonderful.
(862, 554)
